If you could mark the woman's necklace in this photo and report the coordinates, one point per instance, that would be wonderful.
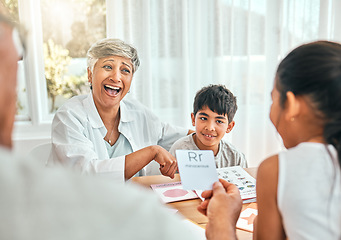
(109, 140)
(113, 128)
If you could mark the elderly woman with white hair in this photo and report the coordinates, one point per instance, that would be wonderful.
(107, 132)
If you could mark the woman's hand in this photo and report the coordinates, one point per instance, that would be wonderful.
(167, 161)
(222, 206)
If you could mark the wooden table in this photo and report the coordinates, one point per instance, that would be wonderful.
(188, 208)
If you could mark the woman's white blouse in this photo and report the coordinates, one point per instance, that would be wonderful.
(78, 132)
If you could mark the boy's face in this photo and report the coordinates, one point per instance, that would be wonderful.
(210, 128)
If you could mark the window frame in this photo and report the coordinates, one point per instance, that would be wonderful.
(38, 122)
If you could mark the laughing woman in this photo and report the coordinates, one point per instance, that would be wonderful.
(106, 132)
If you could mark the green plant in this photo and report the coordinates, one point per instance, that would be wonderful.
(75, 85)
(56, 61)
(12, 8)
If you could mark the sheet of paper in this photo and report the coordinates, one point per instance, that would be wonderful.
(244, 181)
(247, 216)
(197, 169)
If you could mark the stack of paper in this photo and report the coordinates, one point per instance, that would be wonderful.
(245, 183)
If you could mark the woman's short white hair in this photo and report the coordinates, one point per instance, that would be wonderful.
(111, 47)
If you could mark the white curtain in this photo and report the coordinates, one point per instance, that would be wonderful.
(187, 44)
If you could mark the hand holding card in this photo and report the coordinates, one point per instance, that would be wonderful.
(197, 169)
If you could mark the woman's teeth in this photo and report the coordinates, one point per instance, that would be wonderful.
(112, 90)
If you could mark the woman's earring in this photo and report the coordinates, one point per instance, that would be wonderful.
(90, 85)
(292, 119)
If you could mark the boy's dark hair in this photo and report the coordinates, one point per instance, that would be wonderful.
(217, 98)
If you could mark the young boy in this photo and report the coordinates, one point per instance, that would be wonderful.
(213, 111)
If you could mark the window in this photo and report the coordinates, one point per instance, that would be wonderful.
(69, 28)
(183, 45)
(54, 68)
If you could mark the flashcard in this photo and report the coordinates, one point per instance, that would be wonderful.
(172, 192)
(197, 169)
(247, 216)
